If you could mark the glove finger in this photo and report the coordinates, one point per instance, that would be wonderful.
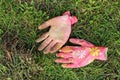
(70, 66)
(44, 36)
(44, 43)
(44, 25)
(66, 49)
(64, 55)
(69, 60)
(81, 42)
(47, 23)
(56, 47)
(48, 48)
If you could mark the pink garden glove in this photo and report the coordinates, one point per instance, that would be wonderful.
(60, 29)
(79, 56)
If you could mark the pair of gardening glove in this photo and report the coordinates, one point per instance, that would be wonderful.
(69, 56)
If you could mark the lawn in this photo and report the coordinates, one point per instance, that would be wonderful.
(98, 22)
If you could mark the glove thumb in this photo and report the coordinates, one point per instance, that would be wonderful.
(81, 42)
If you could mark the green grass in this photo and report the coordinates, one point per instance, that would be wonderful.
(99, 23)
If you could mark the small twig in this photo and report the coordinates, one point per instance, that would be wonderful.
(8, 53)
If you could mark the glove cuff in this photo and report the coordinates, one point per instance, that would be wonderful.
(73, 19)
(102, 53)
